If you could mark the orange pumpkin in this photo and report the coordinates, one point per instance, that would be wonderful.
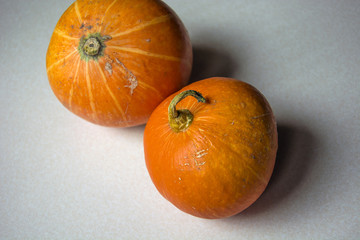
(212, 156)
(112, 62)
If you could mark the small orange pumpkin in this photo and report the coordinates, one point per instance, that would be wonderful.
(112, 62)
(212, 158)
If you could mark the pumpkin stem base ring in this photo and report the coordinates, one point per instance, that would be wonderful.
(92, 46)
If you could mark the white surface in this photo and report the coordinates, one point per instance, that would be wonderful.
(64, 178)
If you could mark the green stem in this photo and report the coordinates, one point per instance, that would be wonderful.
(180, 120)
(92, 46)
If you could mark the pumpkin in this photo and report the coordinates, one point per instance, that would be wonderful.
(210, 148)
(112, 62)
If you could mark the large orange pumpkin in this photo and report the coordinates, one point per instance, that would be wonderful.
(212, 156)
(112, 62)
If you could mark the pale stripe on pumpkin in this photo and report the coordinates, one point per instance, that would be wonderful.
(73, 82)
(145, 53)
(64, 35)
(226, 144)
(143, 25)
(147, 86)
(78, 12)
(107, 9)
(112, 95)
(91, 97)
(61, 60)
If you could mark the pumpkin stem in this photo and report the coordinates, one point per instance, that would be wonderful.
(92, 46)
(180, 120)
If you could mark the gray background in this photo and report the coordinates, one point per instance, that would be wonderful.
(64, 178)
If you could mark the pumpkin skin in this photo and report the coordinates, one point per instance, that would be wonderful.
(142, 55)
(223, 161)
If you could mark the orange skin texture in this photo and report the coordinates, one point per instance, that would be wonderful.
(147, 57)
(222, 163)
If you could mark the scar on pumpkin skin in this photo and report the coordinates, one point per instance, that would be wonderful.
(201, 153)
(199, 164)
(108, 67)
(129, 76)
